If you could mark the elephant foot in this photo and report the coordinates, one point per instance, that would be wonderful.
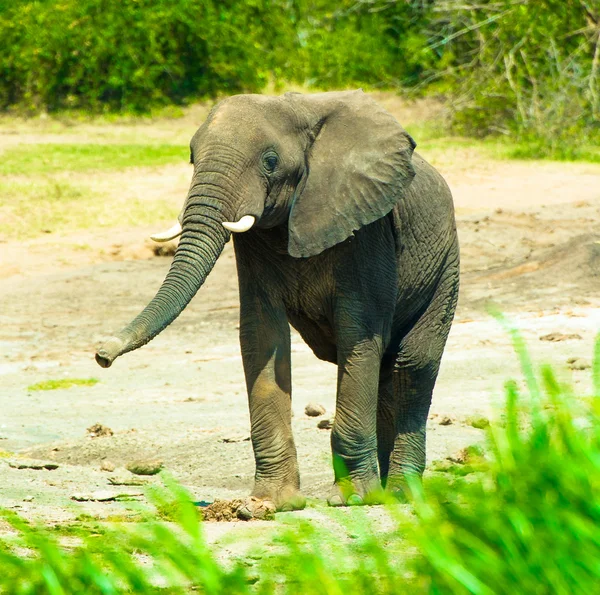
(265, 501)
(348, 492)
(398, 486)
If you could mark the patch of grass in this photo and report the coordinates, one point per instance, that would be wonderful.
(436, 142)
(62, 383)
(50, 158)
(566, 152)
(31, 209)
(515, 526)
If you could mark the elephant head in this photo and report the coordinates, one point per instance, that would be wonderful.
(323, 165)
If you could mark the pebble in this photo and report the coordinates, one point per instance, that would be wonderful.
(577, 363)
(32, 464)
(314, 410)
(554, 337)
(325, 424)
(107, 465)
(126, 479)
(98, 430)
(103, 496)
(145, 467)
(28, 498)
(233, 439)
(445, 421)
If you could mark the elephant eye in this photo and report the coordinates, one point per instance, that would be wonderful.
(270, 162)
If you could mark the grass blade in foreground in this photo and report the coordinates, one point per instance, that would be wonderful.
(529, 524)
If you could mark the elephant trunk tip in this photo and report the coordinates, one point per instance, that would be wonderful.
(107, 354)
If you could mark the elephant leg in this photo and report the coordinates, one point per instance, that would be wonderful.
(265, 344)
(386, 417)
(354, 435)
(413, 380)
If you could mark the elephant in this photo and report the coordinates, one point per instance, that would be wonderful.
(343, 232)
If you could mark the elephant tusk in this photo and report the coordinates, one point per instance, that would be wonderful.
(244, 224)
(170, 234)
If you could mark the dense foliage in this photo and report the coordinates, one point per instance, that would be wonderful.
(530, 67)
(524, 519)
(131, 54)
(524, 66)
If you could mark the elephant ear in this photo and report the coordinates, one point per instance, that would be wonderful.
(359, 165)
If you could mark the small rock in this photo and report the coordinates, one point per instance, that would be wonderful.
(555, 337)
(233, 439)
(28, 499)
(145, 467)
(467, 455)
(577, 363)
(314, 410)
(445, 421)
(104, 496)
(107, 465)
(325, 424)
(254, 508)
(126, 479)
(460, 457)
(480, 423)
(32, 464)
(98, 430)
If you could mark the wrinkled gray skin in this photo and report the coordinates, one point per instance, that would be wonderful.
(354, 245)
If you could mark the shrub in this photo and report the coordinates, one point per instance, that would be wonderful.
(132, 54)
(530, 68)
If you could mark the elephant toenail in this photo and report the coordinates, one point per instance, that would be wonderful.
(335, 501)
(354, 500)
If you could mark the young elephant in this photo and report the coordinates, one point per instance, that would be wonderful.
(343, 232)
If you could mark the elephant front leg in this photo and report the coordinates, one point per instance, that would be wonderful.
(354, 434)
(265, 343)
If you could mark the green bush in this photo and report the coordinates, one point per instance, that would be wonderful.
(351, 43)
(133, 54)
(529, 68)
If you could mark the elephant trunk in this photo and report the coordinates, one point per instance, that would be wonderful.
(202, 241)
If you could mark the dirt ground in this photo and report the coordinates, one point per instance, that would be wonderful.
(530, 240)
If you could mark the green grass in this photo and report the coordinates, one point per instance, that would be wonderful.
(566, 152)
(62, 383)
(515, 528)
(523, 519)
(38, 159)
(435, 142)
(43, 206)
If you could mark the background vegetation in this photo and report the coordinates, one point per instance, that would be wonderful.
(517, 67)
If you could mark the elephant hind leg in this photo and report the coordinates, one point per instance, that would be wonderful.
(386, 417)
(402, 410)
(406, 389)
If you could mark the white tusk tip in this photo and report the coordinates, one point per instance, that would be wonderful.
(244, 224)
(170, 234)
